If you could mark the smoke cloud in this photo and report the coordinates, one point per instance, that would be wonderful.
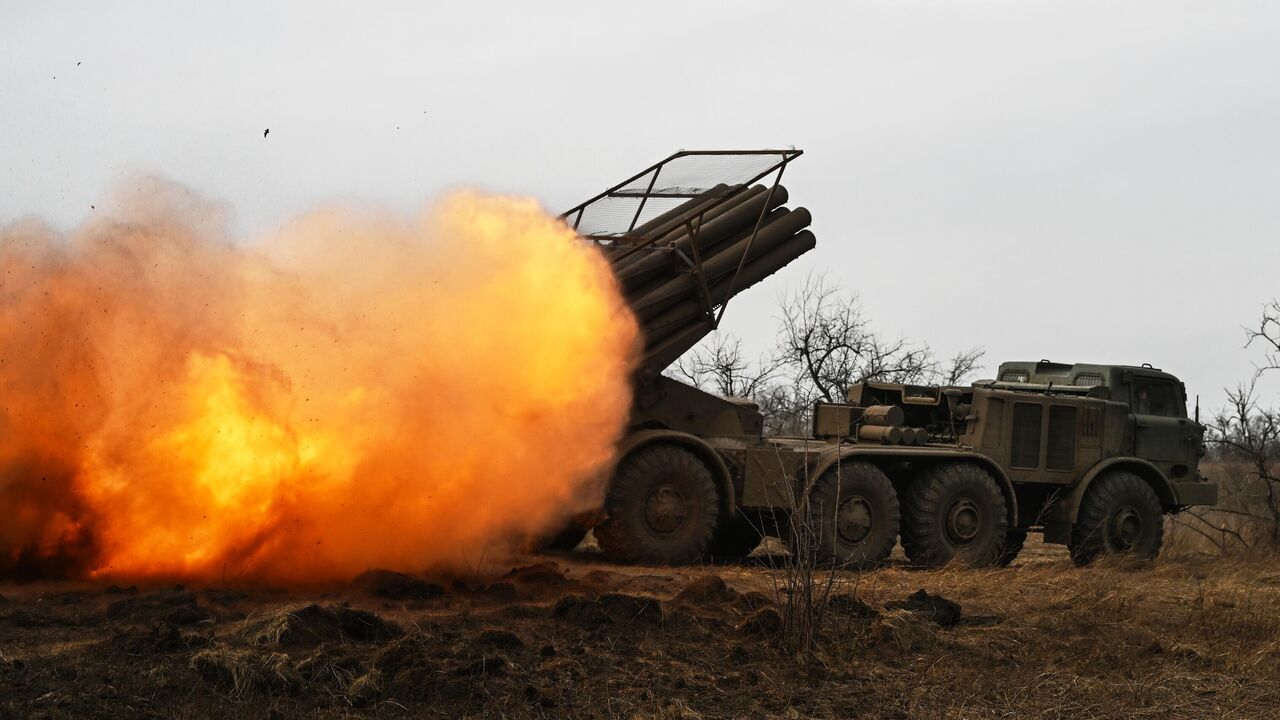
(357, 390)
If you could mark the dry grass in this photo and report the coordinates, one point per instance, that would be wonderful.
(1188, 636)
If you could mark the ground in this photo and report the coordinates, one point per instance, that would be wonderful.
(571, 636)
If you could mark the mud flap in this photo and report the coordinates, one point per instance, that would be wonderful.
(1057, 527)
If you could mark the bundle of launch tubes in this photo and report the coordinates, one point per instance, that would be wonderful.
(679, 268)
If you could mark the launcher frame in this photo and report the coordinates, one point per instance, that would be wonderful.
(626, 242)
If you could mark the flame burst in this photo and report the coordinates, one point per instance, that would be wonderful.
(355, 391)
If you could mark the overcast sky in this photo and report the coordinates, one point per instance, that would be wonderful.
(1082, 181)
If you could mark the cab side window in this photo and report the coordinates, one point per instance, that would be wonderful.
(1156, 398)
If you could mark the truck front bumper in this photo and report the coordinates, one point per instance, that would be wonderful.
(1195, 493)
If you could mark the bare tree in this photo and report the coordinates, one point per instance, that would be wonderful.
(1268, 334)
(787, 408)
(962, 366)
(1248, 437)
(722, 367)
(824, 345)
(828, 344)
(1245, 437)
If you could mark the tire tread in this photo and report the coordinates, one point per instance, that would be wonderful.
(634, 472)
(922, 545)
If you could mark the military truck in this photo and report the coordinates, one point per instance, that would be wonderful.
(1092, 456)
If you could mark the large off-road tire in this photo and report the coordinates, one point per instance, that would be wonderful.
(735, 537)
(1013, 542)
(954, 512)
(1120, 515)
(853, 517)
(662, 508)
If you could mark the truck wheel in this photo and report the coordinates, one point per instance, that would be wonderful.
(1120, 514)
(954, 511)
(1013, 542)
(662, 508)
(853, 515)
(735, 537)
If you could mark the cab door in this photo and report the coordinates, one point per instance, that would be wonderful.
(1160, 420)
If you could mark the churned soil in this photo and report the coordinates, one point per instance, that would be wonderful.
(571, 636)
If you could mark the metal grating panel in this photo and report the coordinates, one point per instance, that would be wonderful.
(1061, 453)
(995, 423)
(618, 212)
(1024, 451)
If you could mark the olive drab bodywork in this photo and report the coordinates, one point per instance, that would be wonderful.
(1093, 456)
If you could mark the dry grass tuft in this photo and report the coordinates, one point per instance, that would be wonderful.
(241, 671)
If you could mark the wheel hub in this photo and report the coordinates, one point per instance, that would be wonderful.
(665, 510)
(1126, 528)
(854, 519)
(964, 520)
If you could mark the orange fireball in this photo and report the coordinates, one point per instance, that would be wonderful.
(354, 391)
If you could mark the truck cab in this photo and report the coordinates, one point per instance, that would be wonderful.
(1159, 430)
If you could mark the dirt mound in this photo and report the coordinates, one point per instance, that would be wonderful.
(160, 639)
(543, 573)
(483, 665)
(501, 592)
(499, 640)
(906, 631)
(408, 666)
(603, 579)
(753, 600)
(708, 588)
(765, 621)
(365, 689)
(396, 586)
(314, 624)
(608, 609)
(22, 618)
(850, 606)
(408, 651)
(176, 606)
(333, 666)
(241, 671)
(943, 612)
